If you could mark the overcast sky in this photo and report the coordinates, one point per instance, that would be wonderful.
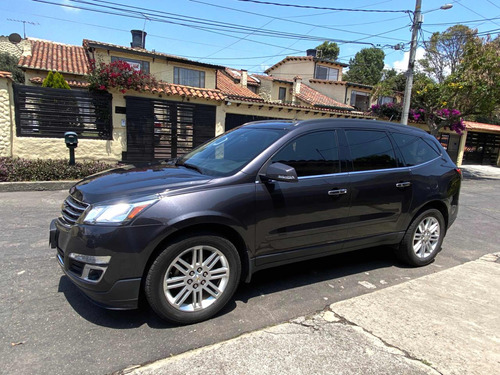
(239, 45)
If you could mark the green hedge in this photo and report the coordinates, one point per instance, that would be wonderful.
(17, 169)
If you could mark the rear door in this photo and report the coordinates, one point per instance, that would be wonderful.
(381, 187)
(296, 220)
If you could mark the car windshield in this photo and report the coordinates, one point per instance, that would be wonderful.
(230, 152)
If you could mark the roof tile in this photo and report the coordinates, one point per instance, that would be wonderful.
(226, 84)
(64, 58)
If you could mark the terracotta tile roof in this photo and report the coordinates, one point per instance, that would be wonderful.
(186, 91)
(160, 88)
(236, 74)
(263, 77)
(144, 52)
(5, 74)
(291, 106)
(470, 125)
(304, 58)
(60, 57)
(341, 83)
(71, 83)
(313, 97)
(229, 88)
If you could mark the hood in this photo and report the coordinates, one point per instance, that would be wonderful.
(130, 182)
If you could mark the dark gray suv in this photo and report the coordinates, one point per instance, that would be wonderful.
(187, 231)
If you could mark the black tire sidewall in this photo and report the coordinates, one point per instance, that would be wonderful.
(156, 274)
(407, 253)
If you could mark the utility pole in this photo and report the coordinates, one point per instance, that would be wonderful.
(417, 21)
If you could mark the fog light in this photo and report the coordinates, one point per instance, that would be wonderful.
(90, 259)
(94, 275)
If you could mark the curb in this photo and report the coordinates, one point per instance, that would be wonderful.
(36, 186)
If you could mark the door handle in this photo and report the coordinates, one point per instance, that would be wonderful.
(337, 192)
(403, 184)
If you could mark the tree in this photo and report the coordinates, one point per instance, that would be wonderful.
(329, 50)
(444, 51)
(474, 88)
(8, 63)
(366, 67)
(56, 81)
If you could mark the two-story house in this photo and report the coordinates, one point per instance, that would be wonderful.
(324, 76)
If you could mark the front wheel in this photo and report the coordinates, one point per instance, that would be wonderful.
(423, 239)
(192, 279)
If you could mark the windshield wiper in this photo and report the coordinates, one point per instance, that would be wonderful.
(190, 166)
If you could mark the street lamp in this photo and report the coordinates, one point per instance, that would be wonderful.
(417, 21)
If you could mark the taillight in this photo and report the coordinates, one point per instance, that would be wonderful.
(459, 171)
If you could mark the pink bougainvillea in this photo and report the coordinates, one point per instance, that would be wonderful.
(119, 75)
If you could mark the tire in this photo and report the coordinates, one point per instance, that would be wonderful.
(193, 278)
(423, 239)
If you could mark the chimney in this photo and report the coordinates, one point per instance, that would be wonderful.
(311, 52)
(138, 39)
(244, 78)
(297, 81)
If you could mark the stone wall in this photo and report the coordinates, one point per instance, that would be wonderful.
(14, 49)
(6, 116)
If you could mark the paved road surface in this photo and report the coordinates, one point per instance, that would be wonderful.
(47, 326)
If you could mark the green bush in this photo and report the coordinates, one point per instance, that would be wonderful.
(17, 169)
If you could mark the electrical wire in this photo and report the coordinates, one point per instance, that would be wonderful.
(286, 20)
(325, 8)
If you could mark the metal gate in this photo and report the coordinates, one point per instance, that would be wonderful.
(162, 129)
(481, 148)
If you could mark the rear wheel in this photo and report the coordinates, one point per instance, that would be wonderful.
(192, 279)
(423, 239)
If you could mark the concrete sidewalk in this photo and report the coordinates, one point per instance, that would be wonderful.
(444, 323)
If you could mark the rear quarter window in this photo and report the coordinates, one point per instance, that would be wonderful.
(414, 149)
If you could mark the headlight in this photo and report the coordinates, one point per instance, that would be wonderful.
(116, 213)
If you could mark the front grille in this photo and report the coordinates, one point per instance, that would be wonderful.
(76, 267)
(72, 209)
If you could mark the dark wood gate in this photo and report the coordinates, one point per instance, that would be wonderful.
(163, 129)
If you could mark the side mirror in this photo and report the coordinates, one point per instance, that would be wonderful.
(281, 172)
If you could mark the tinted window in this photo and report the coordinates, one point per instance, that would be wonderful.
(311, 154)
(370, 150)
(414, 149)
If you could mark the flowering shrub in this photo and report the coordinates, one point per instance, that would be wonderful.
(451, 118)
(17, 169)
(445, 117)
(118, 74)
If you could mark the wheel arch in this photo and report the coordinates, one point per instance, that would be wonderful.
(436, 204)
(204, 228)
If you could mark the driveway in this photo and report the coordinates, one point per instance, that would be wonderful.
(48, 326)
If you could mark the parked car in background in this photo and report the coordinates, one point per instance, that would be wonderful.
(184, 233)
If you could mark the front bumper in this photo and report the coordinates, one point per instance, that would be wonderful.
(116, 285)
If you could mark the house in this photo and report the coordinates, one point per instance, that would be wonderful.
(325, 76)
(191, 103)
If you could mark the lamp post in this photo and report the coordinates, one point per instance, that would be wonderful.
(417, 22)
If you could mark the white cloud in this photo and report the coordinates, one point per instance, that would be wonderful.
(402, 65)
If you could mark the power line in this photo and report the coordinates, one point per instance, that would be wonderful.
(286, 20)
(462, 22)
(325, 8)
(217, 26)
(473, 11)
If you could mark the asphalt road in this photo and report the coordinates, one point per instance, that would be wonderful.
(48, 327)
